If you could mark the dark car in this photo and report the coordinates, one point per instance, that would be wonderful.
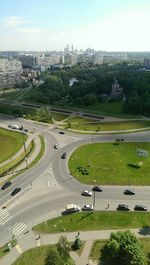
(123, 207)
(15, 191)
(61, 132)
(6, 185)
(140, 208)
(129, 192)
(63, 155)
(97, 188)
(23, 129)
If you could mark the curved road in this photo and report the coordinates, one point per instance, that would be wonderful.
(53, 187)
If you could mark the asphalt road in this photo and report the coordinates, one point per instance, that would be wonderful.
(52, 185)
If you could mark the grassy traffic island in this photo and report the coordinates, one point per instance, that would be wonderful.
(10, 143)
(97, 220)
(117, 163)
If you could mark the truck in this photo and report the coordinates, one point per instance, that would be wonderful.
(72, 208)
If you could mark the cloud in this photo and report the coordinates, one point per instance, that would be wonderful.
(13, 21)
(29, 30)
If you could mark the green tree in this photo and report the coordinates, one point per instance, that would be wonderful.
(123, 248)
(63, 248)
(53, 257)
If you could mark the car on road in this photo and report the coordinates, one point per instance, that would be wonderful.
(140, 208)
(15, 191)
(87, 207)
(6, 185)
(23, 129)
(123, 207)
(64, 155)
(129, 192)
(15, 127)
(86, 193)
(61, 132)
(56, 146)
(97, 188)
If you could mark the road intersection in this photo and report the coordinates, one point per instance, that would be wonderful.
(52, 185)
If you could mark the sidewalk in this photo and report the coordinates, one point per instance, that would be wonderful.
(31, 240)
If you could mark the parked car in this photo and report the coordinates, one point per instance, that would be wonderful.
(86, 193)
(14, 126)
(23, 129)
(97, 188)
(63, 155)
(123, 207)
(15, 191)
(87, 207)
(129, 192)
(6, 185)
(140, 208)
(56, 146)
(61, 132)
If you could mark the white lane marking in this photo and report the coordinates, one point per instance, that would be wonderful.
(18, 228)
(18, 249)
(4, 216)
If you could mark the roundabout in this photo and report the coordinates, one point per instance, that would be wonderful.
(53, 186)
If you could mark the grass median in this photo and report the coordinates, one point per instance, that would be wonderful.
(10, 143)
(98, 220)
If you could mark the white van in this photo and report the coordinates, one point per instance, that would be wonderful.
(14, 126)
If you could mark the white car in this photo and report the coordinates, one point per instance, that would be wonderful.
(56, 146)
(14, 126)
(86, 193)
(87, 207)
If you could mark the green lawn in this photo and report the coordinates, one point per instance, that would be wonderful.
(95, 252)
(78, 123)
(10, 143)
(58, 116)
(94, 221)
(108, 163)
(114, 109)
(35, 256)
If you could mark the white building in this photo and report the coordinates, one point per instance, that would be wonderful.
(10, 72)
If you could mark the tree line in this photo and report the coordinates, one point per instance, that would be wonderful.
(92, 83)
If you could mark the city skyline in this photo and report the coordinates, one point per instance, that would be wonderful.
(50, 25)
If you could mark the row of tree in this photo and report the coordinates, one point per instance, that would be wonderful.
(123, 248)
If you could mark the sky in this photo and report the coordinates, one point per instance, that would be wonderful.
(110, 25)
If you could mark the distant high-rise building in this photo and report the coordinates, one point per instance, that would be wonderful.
(147, 63)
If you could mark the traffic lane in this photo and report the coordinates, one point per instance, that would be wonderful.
(33, 173)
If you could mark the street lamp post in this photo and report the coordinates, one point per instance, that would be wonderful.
(94, 197)
(24, 144)
(94, 201)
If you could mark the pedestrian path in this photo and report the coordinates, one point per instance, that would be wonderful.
(31, 240)
(4, 216)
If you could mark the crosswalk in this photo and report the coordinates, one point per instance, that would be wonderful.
(5, 216)
(18, 228)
